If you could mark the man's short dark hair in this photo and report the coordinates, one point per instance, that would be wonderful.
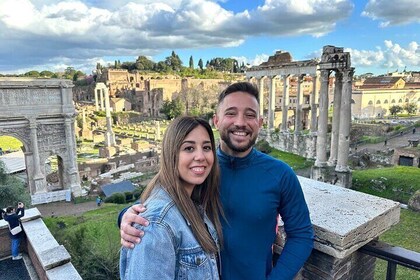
(240, 86)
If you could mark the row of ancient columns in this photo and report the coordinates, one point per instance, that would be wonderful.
(102, 90)
(285, 102)
(340, 135)
(100, 97)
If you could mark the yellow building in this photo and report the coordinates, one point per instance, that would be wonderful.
(376, 95)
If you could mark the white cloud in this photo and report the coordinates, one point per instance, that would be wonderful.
(391, 12)
(392, 56)
(257, 60)
(34, 31)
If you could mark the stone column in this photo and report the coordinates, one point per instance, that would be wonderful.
(158, 130)
(38, 178)
(299, 100)
(70, 142)
(101, 94)
(272, 103)
(109, 134)
(96, 100)
(261, 97)
(321, 141)
(285, 103)
(336, 118)
(314, 104)
(72, 173)
(345, 122)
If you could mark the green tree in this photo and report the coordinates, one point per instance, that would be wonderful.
(161, 66)
(32, 73)
(174, 62)
(410, 108)
(143, 63)
(191, 63)
(395, 109)
(47, 74)
(173, 109)
(130, 66)
(200, 64)
(78, 75)
(12, 189)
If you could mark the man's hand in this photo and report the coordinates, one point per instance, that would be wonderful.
(129, 234)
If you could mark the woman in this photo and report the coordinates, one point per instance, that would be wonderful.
(183, 206)
(12, 218)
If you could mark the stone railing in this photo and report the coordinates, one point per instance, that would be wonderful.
(344, 220)
(47, 258)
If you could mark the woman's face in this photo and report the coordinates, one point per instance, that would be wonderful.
(195, 158)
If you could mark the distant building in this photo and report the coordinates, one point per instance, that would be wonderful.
(119, 104)
(374, 97)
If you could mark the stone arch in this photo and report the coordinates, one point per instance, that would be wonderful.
(386, 101)
(400, 101)
(393, 101)
(378, 102)
(40, 113)
(370, 102)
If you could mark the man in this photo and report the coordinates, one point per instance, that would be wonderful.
(255, 188)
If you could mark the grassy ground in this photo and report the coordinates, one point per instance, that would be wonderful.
(10, 143)
(92, 239)
(396, 183)
(405, 234)
(294, 161)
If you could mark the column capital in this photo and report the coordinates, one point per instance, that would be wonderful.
(348, 75)
(338, 75)
(32, 122)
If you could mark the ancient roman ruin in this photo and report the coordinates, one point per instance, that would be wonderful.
(40, 113)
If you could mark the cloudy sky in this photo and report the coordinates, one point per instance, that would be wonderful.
(381, 35)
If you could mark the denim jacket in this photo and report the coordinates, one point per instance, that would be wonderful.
(168, 249)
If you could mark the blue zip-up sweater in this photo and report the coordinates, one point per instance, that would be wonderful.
(254, 190)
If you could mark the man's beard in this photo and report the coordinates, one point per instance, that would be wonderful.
(225, 137)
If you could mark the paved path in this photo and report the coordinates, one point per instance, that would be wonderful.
(63, 208)
(396, 142)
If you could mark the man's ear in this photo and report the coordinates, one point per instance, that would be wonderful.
(216, 120)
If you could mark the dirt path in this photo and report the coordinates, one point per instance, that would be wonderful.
(63, 208)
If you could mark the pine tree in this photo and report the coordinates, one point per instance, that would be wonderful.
(191, 63)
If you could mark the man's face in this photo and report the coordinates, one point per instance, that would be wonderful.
(238, 122)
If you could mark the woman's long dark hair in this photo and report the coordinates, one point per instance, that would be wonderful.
(206, 194)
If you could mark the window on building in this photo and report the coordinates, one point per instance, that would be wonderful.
(386, 101)
(370, 102)
(393, 101)
(378, 102)
(400, 101)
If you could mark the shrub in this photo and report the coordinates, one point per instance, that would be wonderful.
(137, 192)
(263, 146)
(118, 198)
(128, 196)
